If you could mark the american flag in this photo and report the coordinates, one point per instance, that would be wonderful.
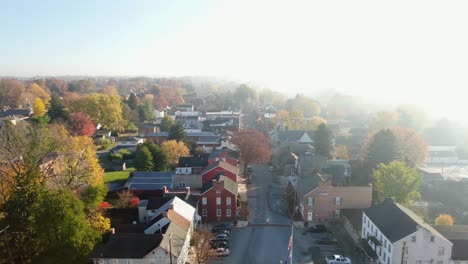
(290, 244)
(290, 249)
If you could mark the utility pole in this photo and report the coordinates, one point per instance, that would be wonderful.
(170, 247)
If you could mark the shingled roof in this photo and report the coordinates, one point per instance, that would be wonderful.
(127, 246)
(386, 214)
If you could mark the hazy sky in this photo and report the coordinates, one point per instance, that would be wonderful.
(394, 51)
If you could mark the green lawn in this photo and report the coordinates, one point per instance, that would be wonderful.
(112, 176)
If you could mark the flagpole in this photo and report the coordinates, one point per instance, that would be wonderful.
(292, 244)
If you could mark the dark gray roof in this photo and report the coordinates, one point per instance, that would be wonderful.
(209, 139)
(130, 246)
(308, 183)
(157, 202)
(149, 180)
(200, 160)
(15, 112)
(458, 235)
(389, 212)
(294, 135)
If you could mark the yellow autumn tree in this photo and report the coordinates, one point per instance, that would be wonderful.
(444, 219)
(316, 121)
(38, 107)
(174, 150)
(78, 166)
(341, 152)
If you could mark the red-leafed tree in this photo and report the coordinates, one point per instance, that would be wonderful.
(160, 102)
(80, 124)
(254, 147)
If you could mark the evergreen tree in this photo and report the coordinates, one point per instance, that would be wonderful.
(132, 101)
(159, 157)
(323, 141)
(381, 148)
(144, 159)
(166, 123)
(177, 133)
(56, 110)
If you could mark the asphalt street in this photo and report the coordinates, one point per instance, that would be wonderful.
(265, 239)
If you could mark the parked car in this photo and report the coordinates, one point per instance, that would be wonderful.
(222, 236)
(221, 231)
(271, 169)
(216, 240)
(337, 259)
(222, 227)
(219, 244)
(318, 229)
(249, 169)
(222, 252)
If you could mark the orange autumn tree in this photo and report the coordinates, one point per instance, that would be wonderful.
(444, 219)
(254, 147)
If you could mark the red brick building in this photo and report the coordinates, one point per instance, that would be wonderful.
(219, 167)
(218, 201)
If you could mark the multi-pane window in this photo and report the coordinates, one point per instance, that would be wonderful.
(337, 200)
(218, 200)
(432, 238)
(389, 247)
(205, 212)
(218, 212)
(413, 239)
(310, 201)
(228, 212)
(228, 200)
(204, 200)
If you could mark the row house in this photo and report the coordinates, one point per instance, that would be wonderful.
(321, 201)
(218, 201)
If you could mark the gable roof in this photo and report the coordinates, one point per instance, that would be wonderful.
(458, 235)
(294, 135)
(200, 160)
(221, 164)
(229, 185)
(177, 241)
(130, 246)
(304, 185)
(389, 212)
